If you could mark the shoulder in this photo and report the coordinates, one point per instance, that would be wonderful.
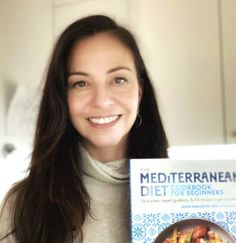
(6, 217)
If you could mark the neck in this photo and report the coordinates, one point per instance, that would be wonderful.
(106, 154)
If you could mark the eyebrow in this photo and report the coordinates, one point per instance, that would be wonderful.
(78, 73)
(109, 71)
(118, 68)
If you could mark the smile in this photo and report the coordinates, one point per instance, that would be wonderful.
(103, 120)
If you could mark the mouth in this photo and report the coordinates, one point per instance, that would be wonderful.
(104, 120)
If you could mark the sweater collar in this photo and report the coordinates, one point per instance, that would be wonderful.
(115, 172)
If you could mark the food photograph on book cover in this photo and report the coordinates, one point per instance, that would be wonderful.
(194, 231)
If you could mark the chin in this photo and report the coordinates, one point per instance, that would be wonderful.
(106, 144)
(109, 142)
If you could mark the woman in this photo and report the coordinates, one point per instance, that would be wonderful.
(98, 110)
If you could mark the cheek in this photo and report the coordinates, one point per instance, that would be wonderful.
(131, 102)
(74, 106)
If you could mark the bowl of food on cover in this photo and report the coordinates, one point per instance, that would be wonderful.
(194, 231)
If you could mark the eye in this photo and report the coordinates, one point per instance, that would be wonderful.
(78, 84)
(120, 80)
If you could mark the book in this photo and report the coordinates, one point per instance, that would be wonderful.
(183, 200)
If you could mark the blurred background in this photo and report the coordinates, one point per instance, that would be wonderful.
(189, 49)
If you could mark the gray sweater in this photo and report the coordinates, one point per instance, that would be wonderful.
(108, 187)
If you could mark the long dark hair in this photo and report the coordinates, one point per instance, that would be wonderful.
(51, 202)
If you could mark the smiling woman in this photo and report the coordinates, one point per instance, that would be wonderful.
(103, 95)
(96, 91)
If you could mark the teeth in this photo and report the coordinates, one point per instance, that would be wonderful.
(103, 120)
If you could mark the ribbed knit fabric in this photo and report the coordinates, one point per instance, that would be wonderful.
(5, 222)
(108, 187)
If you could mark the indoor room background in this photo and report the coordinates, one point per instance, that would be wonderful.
(188, 46)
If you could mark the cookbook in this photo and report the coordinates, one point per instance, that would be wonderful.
(190, 201)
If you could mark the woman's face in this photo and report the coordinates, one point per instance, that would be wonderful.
(103, 94)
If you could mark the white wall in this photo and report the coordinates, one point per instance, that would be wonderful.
(25, 43)
(229, 66)
(181, 40)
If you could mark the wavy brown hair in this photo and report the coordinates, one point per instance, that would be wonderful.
(51, 202)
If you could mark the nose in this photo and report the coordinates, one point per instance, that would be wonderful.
(102, 97)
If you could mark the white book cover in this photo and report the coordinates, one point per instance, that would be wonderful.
(192, 201)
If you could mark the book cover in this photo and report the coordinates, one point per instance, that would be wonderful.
(192, 201)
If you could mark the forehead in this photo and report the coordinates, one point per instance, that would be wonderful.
(101, 48)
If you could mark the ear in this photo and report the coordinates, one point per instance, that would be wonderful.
(140, 94)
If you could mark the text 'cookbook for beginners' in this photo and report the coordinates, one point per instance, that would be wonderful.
(190, 201)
